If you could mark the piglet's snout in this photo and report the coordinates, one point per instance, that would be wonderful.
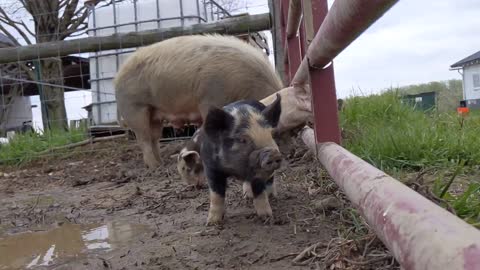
(270, 159)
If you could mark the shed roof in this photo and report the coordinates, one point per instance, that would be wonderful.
(472, 59)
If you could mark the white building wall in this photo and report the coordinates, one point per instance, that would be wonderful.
(471, 91)
(20, 111)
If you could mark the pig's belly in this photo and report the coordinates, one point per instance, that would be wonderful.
(178, 120)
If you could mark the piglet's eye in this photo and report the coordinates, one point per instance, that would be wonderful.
(241, 140)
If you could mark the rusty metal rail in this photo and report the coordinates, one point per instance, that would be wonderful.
(345, 21)
(420, 234)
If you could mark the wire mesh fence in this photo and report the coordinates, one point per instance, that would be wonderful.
(50, 102)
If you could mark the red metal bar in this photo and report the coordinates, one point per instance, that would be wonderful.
(324, 97)
(420, 234)
(292, 46)
(294, 54)
(284, 4)
(293, 19)
(303, 42)
(345, 21)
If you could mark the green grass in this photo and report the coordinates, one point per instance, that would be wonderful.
(396, 138)
(26, 147)
(466, 204)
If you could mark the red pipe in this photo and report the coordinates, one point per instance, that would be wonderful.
(345, 21)
(324, 96)
(293, 19)
(420, 234)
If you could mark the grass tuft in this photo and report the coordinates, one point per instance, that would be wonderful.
(26, 147)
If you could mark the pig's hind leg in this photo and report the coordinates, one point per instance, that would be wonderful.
(147, 133)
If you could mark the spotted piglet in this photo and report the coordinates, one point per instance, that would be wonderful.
(189, 163)
(238, 142)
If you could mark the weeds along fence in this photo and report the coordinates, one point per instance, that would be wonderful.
(84, 67)
(420, 234)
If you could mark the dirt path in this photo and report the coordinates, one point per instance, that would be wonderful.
(107, 183)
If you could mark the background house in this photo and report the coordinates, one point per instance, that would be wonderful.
(470, 70)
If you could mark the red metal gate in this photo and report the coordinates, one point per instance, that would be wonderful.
(420, 234)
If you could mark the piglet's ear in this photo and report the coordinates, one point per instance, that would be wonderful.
(217, 122)
(191, 157)
(272, 112)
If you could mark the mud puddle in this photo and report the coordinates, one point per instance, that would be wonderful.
(64, 243)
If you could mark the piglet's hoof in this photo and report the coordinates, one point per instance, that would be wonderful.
(265, 218)
(215, 218)
(247, 190)
(265, 214)
(263, 209)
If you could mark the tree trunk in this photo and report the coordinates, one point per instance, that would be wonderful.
(54, 115)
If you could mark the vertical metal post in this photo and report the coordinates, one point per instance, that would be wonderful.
(43, 107)
(115, 30)
(303, 42)
(97, 72)
(324, 97)
(181, 13)
(135, 14)
(158, 14)
(278, 50)
(284, 5)
(211, 11)
(198, 11)
(294, 54)
(205, 10)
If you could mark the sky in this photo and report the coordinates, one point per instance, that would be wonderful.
(414, 42)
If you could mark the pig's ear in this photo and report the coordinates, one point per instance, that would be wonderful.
(217, 122)
(302, 88)
(272, 112)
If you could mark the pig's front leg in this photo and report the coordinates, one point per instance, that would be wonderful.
(247, 190)
(217, 183)
(260, 198)
(271, 187)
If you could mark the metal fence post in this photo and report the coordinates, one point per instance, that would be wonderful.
(324, 97)
(283, 23)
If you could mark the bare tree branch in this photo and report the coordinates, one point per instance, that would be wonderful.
(9, 21)
(62, 4)
(67, 16)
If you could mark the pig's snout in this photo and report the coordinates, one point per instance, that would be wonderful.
(270, 159)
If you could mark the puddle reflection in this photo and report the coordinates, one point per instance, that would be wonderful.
(27, 250)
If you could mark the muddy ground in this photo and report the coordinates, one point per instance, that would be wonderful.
(108, 182)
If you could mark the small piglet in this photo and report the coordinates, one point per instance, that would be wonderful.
(238, 143)
(189, 163)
